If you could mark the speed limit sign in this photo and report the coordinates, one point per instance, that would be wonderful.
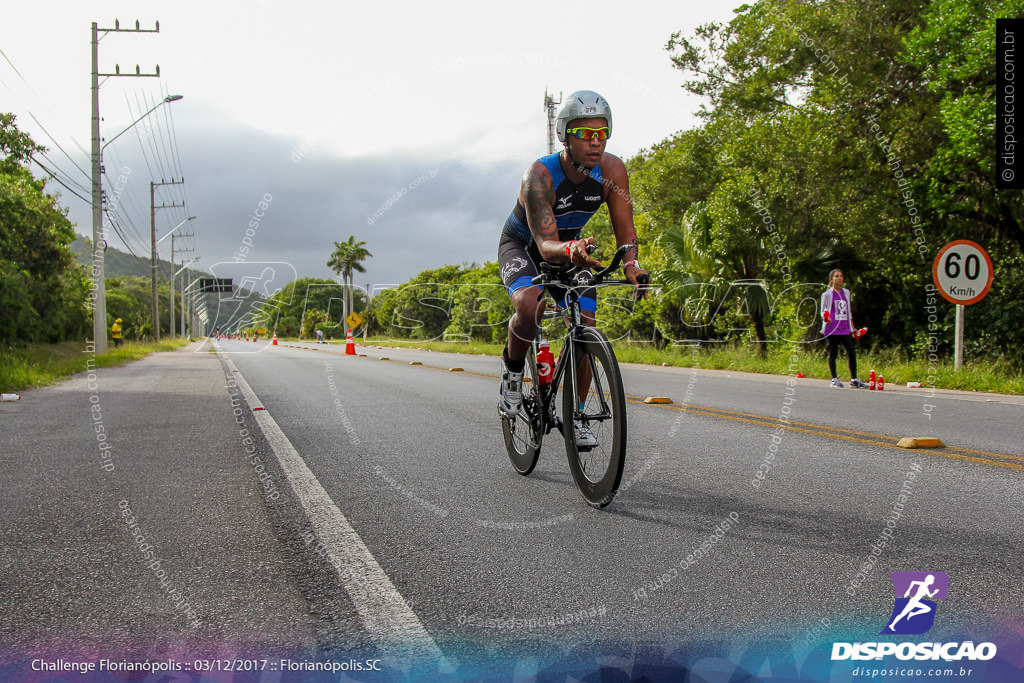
(963, 272)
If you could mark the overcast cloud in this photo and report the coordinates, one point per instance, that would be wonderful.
(407, 125)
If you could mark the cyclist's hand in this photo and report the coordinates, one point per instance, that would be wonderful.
(578, 253)
(641, 280)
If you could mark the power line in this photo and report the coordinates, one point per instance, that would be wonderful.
(130, 197)
(138, 135)
(54, 140)
(17, 72)
(79, 186)
(117, 229)
(59, 181)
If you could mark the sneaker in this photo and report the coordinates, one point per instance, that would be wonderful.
(857, 384)
(585, 437)
(511, 390)
(836, 383)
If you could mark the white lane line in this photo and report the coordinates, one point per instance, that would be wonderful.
(382, 609)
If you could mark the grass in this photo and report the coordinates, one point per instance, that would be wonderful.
(976, 375)
(36, 365)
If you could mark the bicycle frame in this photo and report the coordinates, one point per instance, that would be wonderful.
(593, 397)
(573, 316)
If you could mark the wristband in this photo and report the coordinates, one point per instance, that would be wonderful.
(634, 263)
(568, 246)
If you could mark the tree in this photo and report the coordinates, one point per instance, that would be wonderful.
(347, 260)
(287, 309)
(865, 128)
(953, 50)
(42, 291)
(721, 265)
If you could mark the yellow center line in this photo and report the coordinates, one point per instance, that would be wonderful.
(821, 430)
(765, 418)
(873, 439)
(991, 455)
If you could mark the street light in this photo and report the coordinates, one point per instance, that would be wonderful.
(190, 218)
(169, 98)
(99, 310)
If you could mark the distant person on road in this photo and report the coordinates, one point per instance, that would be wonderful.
(115, 332)
(838, 328)
(558, 195)
(319, 336)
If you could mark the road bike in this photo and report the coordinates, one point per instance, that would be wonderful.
(592, 393)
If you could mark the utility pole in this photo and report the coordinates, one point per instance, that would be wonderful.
(175, 275)
(99, 243)
(184, 290)
(152, 257)
(550, 105)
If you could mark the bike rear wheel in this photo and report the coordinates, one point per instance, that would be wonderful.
(597, 470)
(524, 433)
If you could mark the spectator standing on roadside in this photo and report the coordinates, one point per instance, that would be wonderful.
(838, 327)
(115, 332)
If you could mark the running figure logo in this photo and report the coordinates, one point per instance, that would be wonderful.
(914, 612)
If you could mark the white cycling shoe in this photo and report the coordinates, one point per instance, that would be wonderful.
(585, 437)
(510, 390)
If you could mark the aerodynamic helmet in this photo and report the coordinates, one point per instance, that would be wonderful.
(579, 105)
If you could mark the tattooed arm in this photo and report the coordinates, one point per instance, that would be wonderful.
(537, 195)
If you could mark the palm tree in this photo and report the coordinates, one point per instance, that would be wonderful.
(719, 270)
(346, 261)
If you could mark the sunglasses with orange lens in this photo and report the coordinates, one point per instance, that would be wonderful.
(589, 133)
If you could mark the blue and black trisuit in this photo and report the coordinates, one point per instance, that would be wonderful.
(575, 204)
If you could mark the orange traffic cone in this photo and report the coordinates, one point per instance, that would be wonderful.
(275, 339)
(350, 345)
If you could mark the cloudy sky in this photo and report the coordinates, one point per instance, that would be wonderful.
(406, 124)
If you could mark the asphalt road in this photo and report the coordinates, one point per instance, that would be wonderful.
(325, 505)
(412, 455)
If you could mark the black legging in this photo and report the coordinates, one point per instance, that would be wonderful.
(834, 340)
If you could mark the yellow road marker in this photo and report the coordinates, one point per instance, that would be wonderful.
(920, 442)
(657, 399)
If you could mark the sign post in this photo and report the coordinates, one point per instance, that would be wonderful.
(963, 274)
(354, 320)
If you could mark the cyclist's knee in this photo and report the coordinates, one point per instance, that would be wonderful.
(529, 303)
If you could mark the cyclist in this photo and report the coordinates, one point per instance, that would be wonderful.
(558, 195)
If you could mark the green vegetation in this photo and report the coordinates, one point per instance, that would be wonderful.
(302, 306)
(458, 303)
(35, 365)
(43, 293)
(131, 299)
(834, 134)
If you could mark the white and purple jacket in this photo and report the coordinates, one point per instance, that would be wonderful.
(838, 304)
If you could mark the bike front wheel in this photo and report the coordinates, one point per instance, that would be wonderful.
(525, 432)
(594, 413)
